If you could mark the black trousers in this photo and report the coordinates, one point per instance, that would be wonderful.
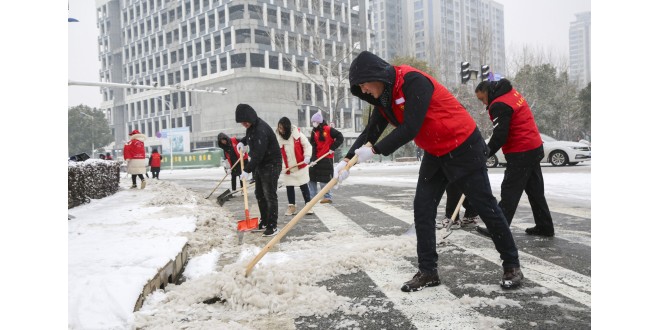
(155, 172)
(465, 166)
(265, 179)
(235, 178)
(527, 178)
(134, 178)
(291, 194)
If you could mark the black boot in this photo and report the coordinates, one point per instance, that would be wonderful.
(512, 278)
(420, 281)
(540, 231)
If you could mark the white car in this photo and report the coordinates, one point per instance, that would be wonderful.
(557, 153)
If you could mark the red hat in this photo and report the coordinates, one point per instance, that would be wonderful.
(134, 132)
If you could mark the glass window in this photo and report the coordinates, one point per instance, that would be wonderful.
(214, 66)
(261, 37)
(217, 40)
(255, 11)
(238, 61)
(273, 62)
(243, 36)
(236, 12)
(257, 60)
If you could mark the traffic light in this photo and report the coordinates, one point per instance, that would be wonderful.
(465, 72)
(485, 71)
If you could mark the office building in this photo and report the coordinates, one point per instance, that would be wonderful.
(579, 52)
(282, 57)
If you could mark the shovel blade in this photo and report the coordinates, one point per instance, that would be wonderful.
(248, 224)
(223, 197)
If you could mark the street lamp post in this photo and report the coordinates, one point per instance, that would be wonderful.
(169, 130)
(92, 127)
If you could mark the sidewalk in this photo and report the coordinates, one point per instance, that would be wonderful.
(118, 244)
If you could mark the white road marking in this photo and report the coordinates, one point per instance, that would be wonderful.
(567, 282)
(440, 305)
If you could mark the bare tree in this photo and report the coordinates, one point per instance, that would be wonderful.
(320, 50)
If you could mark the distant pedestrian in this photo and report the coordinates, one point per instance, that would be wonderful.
(420, 152)
(324, 139)
(135, 158)
(154, 163)
(108, 156)
(295, 149)
(102, 156)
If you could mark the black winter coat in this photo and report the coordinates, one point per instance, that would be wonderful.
(264, 149)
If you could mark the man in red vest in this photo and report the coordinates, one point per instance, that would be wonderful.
(515, 131)
(454, 151)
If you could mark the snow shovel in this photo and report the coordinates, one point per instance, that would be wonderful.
(298, 216)
(223, 179)
(227, 194)
(249, 223)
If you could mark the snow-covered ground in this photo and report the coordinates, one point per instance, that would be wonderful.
(116, 244)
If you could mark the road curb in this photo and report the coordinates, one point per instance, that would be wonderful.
(165, 275)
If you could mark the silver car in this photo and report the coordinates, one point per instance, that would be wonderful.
(557, 153)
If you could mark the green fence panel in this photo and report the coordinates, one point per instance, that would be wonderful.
(183, 160)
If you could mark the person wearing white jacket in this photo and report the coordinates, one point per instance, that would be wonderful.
(296, 154)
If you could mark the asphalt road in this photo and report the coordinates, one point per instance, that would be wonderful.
(556, 293)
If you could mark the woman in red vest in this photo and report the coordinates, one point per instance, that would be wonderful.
(228, 145)
(324, 138)
(154, 162)
(296, 149)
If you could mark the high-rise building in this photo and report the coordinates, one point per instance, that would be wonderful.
(388, 18)
(445, 33)
(579, 42)
(282, 57)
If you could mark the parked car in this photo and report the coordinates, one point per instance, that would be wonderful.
(557, 153)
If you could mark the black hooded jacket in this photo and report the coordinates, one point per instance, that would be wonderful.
(260, 137)
(369, 67)
(501, 114)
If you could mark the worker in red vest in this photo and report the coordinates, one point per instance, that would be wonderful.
(154, 162)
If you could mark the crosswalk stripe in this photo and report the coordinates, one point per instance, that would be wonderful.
(439, 304)
(567, 282)
(572, 236)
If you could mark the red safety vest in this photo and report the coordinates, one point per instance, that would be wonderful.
(234, 143)
(323, 146)
(299, 154)
(523, 133)
(447, 124)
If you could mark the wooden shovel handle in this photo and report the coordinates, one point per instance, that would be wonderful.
(245, 198)
(223, 179)
(298, 216)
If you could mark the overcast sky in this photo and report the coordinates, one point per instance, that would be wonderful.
(538, 23)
